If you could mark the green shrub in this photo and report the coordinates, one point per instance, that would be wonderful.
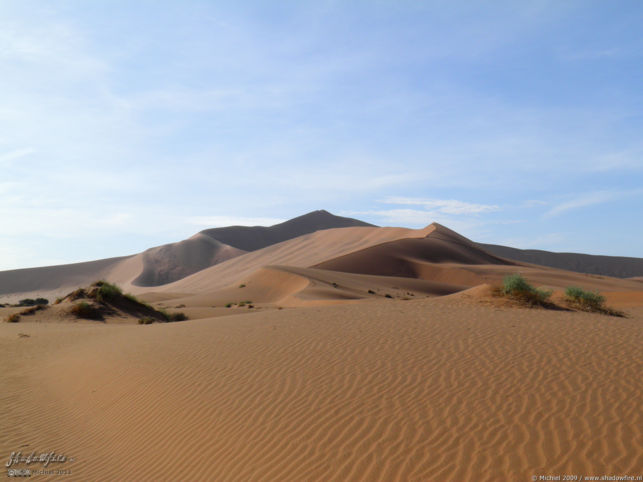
(86, 311)
(517, 287)
(586, 299)
(27, 302)
(515, 284)
(242, 285)
(107, 291)
(148, 320)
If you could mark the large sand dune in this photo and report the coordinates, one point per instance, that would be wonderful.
(167, 263)
(354, 353)
(303, 251)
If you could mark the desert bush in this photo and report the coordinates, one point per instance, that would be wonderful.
(15, 318)
(371, 292)
(42, 301)
(587, 299)
(517, 287)
(387, 296)
(86, 311)
(32, 310)
(228, 305)
(242, 285)
(107, 291)
(179, 316)
(27, 302)
(148, 320)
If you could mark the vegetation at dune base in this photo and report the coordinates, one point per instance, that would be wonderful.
(32, 310)
(32, 302)
(148, 320)
(15, 318)
(516, 287)
(589, 301)
(107, 291)
(86, 311)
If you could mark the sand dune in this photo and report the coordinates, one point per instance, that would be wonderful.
(444, 256)
(437, 389)
(289, 286)
(172, 262)
(405, 257)
(252, 238)
(52, 281)
(303, 251)
(616, 266)
(167, 263)
(388, 360)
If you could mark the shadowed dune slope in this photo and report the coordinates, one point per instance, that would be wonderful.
(172, 262)
(616, 266)
(251, 238)
(405, 257)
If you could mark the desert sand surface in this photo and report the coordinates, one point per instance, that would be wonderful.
(431, 389)
(353, 353)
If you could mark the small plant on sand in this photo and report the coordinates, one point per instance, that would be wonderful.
(228, 305)
(148, 320)
(32, 310)
(179, 316)
(15, 318)
(387, 296)
(86, 311)
(32, 302)
(242, 285)
(589, 301)
(371, 292)
(517, 287)
(107, 291)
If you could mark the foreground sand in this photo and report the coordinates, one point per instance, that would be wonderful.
(432, 389)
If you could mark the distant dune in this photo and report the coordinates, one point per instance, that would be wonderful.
(616, 266)
(303, 251)
(167, 263)
(172, 262)
(343, 353)
(408, 257)
(251, 238)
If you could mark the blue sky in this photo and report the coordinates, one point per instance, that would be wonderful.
(125, 125)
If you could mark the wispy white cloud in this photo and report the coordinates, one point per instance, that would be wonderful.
(218, 221)
(586, 200)
(446, 206)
